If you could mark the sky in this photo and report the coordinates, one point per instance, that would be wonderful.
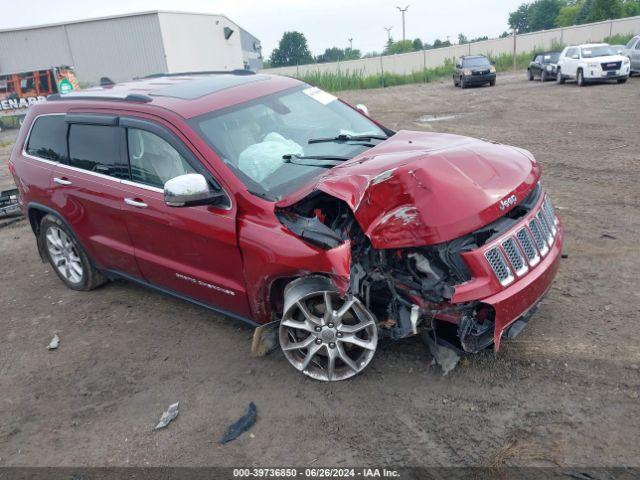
(325, 23)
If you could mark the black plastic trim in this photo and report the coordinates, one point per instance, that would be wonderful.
(116, 274)
(91, 119)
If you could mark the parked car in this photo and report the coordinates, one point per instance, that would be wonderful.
(543, 65)
(592, 63)
(632, 52)
(275, 203)
(474, 70)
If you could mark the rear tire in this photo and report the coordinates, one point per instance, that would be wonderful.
(580, 78)
(529, 75)
(67, 257)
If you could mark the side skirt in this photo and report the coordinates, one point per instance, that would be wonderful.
(114, 274)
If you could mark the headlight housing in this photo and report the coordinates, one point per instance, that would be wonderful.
(466, 71)
(626, 60)
(492, 69)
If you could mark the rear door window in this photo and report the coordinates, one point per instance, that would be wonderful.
(97, 148)
(48, 138)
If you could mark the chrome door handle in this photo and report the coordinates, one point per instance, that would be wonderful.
(61, 181)
(135, 203)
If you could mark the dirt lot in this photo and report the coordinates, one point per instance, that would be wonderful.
(565, 392)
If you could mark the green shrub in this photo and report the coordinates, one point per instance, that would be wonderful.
(619, 39)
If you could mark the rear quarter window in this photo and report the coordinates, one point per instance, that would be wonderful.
(48, 138)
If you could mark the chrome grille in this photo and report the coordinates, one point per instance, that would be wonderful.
(514, 256)
(499, 265)
(537, 237)
(545, 227)
(517, 253)
(526, 242)
(548, 206)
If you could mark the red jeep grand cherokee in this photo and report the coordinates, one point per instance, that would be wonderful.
(270, 200)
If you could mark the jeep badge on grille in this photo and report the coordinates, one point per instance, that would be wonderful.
(508, 202)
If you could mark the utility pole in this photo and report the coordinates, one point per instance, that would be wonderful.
(403, 11)
(350, 43)
(515, 34)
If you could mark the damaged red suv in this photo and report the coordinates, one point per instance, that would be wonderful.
(276, 203)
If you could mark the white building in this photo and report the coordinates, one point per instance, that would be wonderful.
(133, 45)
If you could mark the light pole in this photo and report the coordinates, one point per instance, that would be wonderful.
(403, 11)
(388, 29)
(350, 43)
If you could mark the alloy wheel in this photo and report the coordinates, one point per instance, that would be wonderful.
(64, 254)
(327, 337)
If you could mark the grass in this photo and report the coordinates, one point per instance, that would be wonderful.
(619, 39)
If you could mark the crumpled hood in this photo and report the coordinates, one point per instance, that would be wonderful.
(420, 188)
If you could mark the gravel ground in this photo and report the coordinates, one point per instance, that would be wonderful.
(565, 392)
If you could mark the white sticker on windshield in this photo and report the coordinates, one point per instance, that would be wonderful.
(586, 52)
(319, 95)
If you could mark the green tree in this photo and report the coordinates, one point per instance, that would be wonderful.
(543, 14)
(630, 8)
(292, 50)
(569, 13)
(604, 10)
(520, 18)
(584, 12)
(401, 46)
(462, 38)
(417, 44)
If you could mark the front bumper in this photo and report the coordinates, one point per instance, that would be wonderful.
(513, 297)
(597, 74)
(479, 79)
(516, 301)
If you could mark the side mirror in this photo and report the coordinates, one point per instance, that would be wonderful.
(189, 190)
(362, 109)
(458, 65)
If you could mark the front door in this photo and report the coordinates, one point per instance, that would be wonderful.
(192, 251)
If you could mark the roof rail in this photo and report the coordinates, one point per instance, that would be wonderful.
(237, 71)
(131, 97)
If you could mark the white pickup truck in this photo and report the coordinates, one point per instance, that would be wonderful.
(595, 62)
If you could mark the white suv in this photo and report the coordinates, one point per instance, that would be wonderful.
(592, 63)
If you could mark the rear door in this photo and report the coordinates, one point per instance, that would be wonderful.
(192, 251)
(87, 191)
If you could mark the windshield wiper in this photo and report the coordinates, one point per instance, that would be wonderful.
(343, 137)
(329, 160)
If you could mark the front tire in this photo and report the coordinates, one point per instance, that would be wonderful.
(462, 84)
(580, 78)
(492, 83)
(323, 335)
(560, 78)
(530, 75)
(543, 76)
(622, 80)
(67, 257)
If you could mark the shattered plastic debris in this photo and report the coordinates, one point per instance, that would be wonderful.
(168, 416)
(54, 343)
(243, 424)
(447, 358)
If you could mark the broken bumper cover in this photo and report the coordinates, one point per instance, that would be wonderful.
(518, 300)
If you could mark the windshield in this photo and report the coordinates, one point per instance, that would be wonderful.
(476, 62)
(601, 51)
(252, 138)
(551, 57)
